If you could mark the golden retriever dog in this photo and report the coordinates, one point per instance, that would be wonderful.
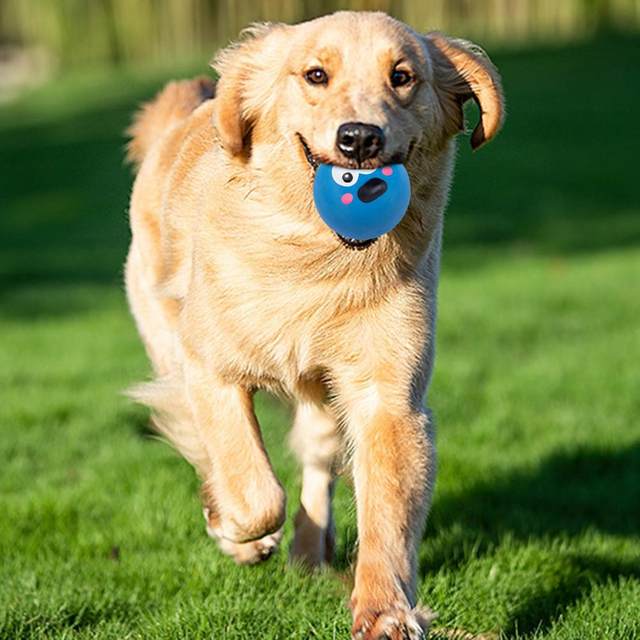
(236, 284)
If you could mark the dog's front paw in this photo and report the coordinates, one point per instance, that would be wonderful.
(393, 623)
(251, 552)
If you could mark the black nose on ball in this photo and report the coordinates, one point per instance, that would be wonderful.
(359, 141)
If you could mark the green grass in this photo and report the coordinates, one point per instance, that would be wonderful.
(535, 530)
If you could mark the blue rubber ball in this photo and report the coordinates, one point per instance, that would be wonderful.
(362, 204)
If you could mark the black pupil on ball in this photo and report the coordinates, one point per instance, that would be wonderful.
(347, 177)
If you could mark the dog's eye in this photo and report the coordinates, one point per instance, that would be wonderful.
(344, 177)
(316, 76)
(400, 78)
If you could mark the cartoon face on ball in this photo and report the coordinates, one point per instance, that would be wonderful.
(362, 204)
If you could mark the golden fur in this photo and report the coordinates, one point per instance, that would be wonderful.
(236, 284)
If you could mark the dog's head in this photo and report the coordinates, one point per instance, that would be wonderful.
(356, 90)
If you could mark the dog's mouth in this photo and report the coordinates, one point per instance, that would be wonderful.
(311, 159)
(357, 245)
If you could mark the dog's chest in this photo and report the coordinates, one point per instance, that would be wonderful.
(271, 335)
(275, 326)
(279, 362)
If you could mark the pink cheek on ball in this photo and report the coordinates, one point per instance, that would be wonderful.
(387, 171)
(347, 198)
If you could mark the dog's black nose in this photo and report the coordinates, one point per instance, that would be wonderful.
(360, 141)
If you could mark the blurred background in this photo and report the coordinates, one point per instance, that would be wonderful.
(64, 34)
(39, 38)
(536, 384)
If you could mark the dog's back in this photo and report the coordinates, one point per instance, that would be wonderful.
(171, 106)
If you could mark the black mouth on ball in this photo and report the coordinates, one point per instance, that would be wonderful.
(371, 190)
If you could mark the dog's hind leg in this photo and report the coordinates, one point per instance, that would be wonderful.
(315, 439)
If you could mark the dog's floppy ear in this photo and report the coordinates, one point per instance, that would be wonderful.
(462, 70)
(239, 97)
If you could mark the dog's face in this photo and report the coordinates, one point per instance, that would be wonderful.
(356, 90)
(359, 90)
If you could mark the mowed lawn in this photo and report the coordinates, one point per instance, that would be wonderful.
(535, 530)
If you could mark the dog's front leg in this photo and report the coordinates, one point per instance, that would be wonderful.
(393, 468)
(244, 502)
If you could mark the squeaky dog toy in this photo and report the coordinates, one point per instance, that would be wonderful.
(361, 205)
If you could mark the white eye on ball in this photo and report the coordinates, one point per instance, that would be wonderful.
(344, 177)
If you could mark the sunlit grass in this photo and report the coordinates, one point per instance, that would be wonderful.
(535, 530)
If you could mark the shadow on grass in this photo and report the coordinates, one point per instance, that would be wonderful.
(66, 190)
(539, 612)
(567, 495)
(560, 179)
